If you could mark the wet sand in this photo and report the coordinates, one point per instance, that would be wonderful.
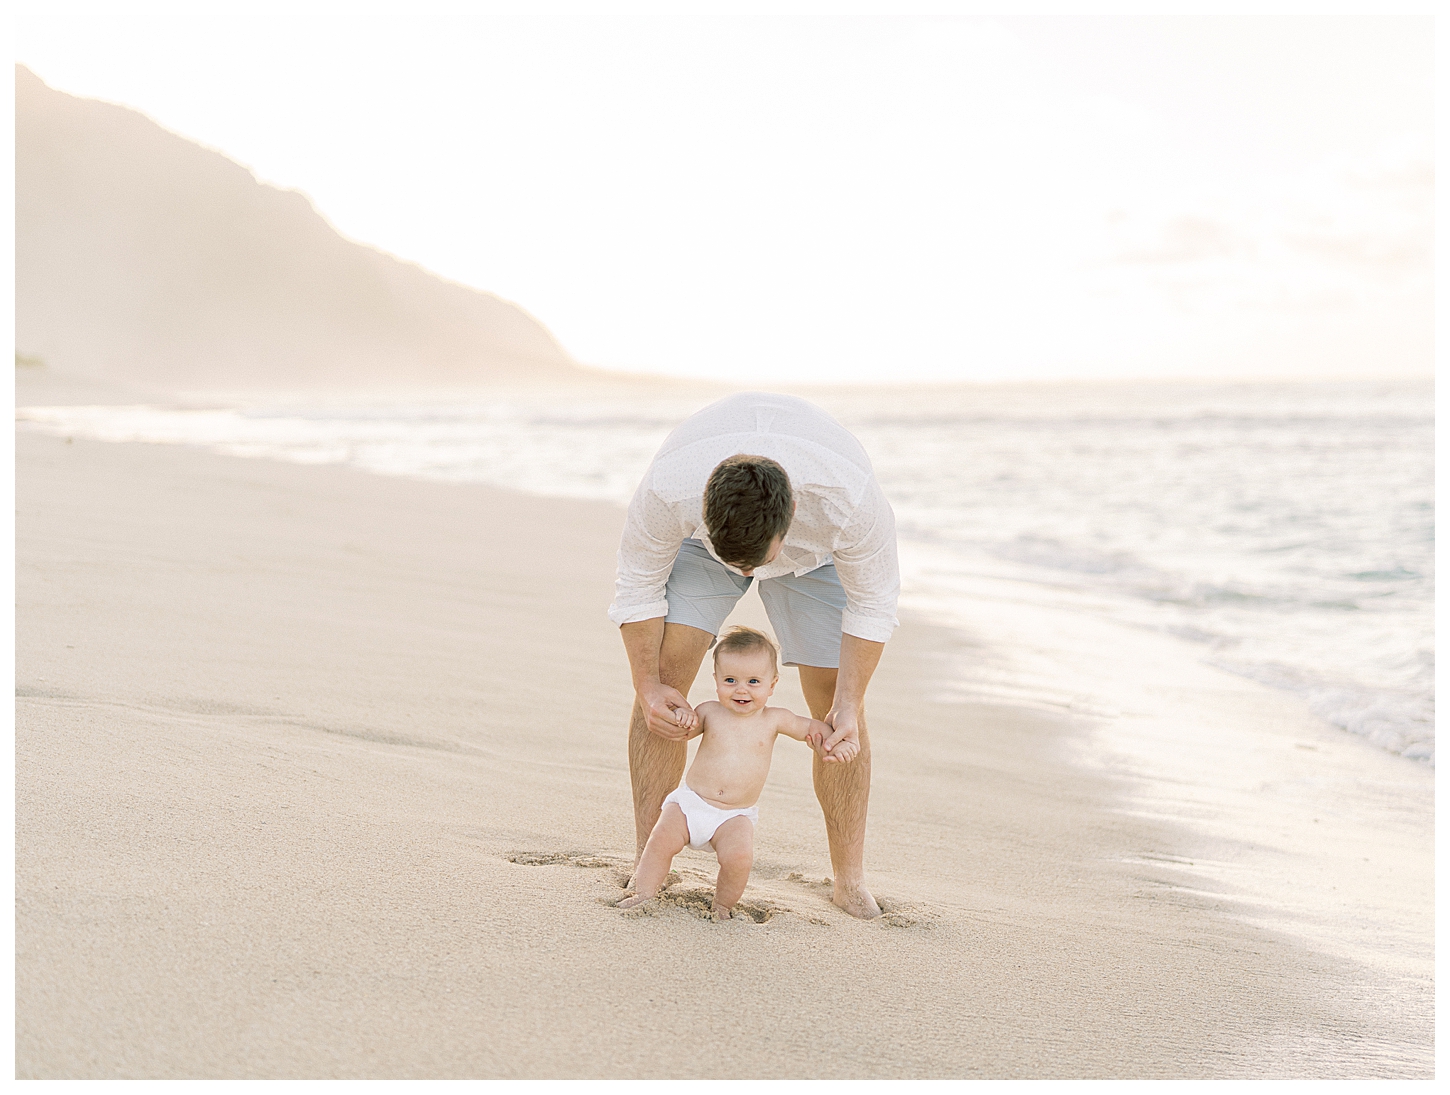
(322, 774)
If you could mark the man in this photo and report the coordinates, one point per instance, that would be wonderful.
(769, 488)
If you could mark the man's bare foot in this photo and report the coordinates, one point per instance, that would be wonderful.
(855, 899)
(631, 902)
(721, 913)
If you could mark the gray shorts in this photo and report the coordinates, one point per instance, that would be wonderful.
(805, 610)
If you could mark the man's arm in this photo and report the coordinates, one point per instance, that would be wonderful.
(858, 662)
(666, 712)
(866, 563)
(647, 548)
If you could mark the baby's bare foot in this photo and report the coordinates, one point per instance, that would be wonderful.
(631, 902)
(721, 912)
(856, 899)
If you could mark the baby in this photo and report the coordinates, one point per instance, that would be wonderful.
(714, 807)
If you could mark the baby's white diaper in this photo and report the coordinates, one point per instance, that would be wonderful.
(703, 818)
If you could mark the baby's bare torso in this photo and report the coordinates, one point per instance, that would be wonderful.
(733, 760)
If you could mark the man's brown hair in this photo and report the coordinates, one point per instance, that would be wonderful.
(748, 503)
(742, 640)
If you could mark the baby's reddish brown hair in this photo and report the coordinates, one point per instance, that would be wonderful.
(743, 640)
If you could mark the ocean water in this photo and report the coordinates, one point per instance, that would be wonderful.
(1284, 530)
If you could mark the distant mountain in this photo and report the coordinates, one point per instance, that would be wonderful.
(140, 256)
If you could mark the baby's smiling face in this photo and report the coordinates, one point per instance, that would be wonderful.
(744, 680)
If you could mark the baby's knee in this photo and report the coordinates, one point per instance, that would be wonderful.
(671, 830)
(737, 857)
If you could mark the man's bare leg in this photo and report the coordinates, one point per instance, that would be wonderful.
(656, 765)
(734, 844)
(668, 837)
(843, 791)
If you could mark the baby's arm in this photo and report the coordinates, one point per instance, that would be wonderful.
(813, 732)
(701, 714)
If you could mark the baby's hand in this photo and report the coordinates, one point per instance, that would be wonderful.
(686, 718)
(816, 736)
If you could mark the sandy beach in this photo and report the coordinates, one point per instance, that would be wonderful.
(322, 774)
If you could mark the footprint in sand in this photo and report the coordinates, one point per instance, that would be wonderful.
(700, 904)
(692, 890)
(539, 859)
(622, 867)
(894, 913)
(687, 890)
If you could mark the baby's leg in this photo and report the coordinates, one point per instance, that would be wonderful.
(735, 847)
(670, 834)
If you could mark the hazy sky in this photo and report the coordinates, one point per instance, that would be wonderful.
(817, 192)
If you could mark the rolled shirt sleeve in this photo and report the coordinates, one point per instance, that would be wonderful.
(866, 563)
(647, 550)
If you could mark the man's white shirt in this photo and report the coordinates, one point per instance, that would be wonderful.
(841, 515)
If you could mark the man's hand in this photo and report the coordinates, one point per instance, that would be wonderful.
(845, 740)
(667, 713)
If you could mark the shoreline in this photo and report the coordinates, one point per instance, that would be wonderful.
(1294, 823)
(353, 662)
